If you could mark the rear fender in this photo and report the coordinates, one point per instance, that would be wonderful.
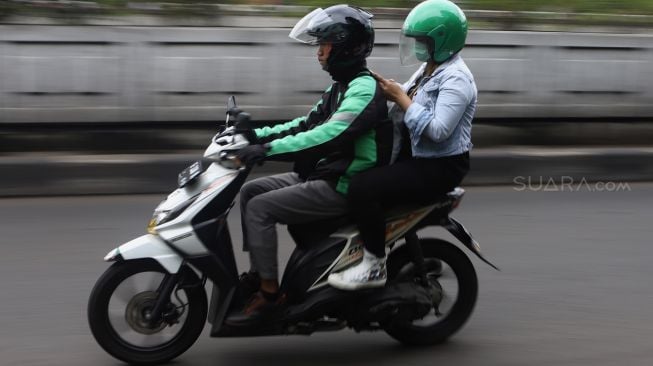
(147, 246)
(458, 230)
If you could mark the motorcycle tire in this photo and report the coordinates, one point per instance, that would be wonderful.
(435, 252)
(111, 341)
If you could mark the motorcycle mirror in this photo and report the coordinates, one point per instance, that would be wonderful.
(231, 104)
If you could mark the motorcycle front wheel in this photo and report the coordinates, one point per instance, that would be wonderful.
(118, 313)
(452, 285)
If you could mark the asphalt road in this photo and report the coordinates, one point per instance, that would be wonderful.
(575, 286)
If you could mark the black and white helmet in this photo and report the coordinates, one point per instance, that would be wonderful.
(348, 28)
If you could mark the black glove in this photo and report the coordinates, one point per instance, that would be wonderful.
(252, 154)
(244, 127)
(234, 112)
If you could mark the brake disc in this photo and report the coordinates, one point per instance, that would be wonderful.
(135, 314)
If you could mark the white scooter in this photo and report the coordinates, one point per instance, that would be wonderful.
(151, 305)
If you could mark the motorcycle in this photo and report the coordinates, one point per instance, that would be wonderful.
(151, 304)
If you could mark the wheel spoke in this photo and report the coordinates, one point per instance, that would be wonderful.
(452, 291)
(155, 339)
(118, 313)
(146, 281)
(121, 327)
(125, 291)
(148, 340)
(154, 281)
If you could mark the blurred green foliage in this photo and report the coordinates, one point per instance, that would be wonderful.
(580, 6)
(573, 6)
(183, 7)
(314, 3)
(361, 3)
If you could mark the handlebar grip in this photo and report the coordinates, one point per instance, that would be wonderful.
(243, 119)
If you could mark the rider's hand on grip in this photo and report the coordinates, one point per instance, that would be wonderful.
(234, 112)
(244, 127)
(252, 154)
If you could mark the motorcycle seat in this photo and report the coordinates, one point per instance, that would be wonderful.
(304, 234)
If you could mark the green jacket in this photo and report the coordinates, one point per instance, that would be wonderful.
(346, 132)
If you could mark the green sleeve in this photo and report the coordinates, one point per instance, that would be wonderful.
(294, 126)
(267, 131)
(346, 124)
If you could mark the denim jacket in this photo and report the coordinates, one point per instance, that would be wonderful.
(440, 119)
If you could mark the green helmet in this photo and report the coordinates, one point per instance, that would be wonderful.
(434, 29)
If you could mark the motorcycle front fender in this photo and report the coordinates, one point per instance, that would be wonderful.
(147, 246)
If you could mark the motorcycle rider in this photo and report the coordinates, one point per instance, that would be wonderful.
(432, 115)
(346, 132)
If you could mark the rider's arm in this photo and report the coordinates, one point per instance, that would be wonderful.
(355, 116)
(262, 133)
(437, 120)
(267, 134)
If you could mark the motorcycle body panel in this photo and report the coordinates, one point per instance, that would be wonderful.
(193, 231)
(148, 246)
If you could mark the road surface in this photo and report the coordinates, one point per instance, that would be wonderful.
(575, 286)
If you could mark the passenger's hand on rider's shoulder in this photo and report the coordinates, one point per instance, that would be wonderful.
(393, 91)
(252, 154)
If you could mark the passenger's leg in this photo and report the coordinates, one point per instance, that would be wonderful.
(371, 193)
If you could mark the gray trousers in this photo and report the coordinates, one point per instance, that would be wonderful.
(284, 199)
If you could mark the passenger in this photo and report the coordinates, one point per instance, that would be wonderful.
(341, 136)
(432, 114)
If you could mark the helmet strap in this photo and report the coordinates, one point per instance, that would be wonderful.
(341, 66)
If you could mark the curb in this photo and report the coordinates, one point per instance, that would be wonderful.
(41, 175)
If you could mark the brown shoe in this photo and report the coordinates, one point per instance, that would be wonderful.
(262, 306)
(250, 283)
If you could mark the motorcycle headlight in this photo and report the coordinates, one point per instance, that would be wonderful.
(161, 217)
(158, 218)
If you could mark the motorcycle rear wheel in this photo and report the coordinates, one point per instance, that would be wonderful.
(119, 331)
(437, 254)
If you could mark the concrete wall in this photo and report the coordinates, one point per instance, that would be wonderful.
(59, 74)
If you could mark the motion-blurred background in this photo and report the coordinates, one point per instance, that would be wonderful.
(114, 96)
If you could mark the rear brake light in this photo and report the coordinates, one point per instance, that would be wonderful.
(456, 203)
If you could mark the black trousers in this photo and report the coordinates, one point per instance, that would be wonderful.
(416, 180)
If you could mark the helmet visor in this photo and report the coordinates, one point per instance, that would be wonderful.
(413, 50)
(307, 29)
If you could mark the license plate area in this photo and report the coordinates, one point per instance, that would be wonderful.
(189, 174)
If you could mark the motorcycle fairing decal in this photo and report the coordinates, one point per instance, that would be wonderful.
(345, 257)
(353, 250)
(216, 185)
(180, 237)
(351, 255)
(398, 227)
